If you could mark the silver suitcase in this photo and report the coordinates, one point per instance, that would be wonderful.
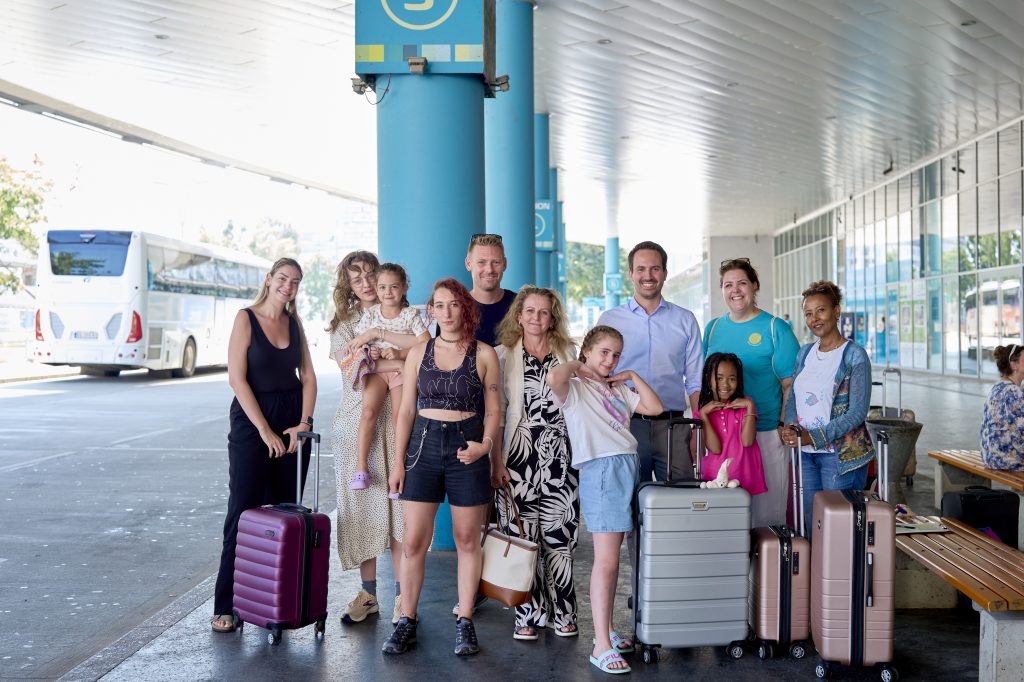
(692, 561)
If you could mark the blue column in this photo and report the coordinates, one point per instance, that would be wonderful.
(541, 189)
(563, 248)
(612, 276)
(430, 187)
(556, 221)
(508, 130)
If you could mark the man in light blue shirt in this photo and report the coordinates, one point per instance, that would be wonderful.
(662, 343)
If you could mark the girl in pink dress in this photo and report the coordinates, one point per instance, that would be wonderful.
(730, 424)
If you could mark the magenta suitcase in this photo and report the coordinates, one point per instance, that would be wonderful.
(853, 577)
(782, 577)
(282, 557)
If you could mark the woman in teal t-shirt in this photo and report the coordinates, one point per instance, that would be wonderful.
(767, 347)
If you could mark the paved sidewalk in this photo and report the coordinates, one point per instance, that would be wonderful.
(15, 366)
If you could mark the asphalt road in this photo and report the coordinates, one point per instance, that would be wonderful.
(112, 496)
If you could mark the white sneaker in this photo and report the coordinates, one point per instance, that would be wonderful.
(477, 603)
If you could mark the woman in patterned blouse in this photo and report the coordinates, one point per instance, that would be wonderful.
(532, 338)
(1002, 425)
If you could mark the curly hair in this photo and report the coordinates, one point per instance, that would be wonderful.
(824, 288)
(470, 313)
(707, 392)
(510, 332)
(346, 303)
(595, 335)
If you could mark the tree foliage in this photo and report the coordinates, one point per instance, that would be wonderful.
(586, 271)
(22, 195)
(317, 287)
(269, 238)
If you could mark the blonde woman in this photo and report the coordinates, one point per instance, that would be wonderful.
(533, 338)
(271, 373)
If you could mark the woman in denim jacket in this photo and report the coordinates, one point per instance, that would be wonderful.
(829, 400)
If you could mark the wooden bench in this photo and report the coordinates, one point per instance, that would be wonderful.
(991, 574)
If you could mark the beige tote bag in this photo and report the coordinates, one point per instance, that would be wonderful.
(509, 561)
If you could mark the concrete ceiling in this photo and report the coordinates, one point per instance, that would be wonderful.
(669, 117)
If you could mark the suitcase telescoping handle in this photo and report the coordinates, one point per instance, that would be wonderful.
(304, 435)
(796, 469)
(693, 423)
(898, 409)
(882, 467)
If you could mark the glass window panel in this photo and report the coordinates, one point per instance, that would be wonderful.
(988, 225)
(880, 251)
(904, 196)
(869, 255)
(916, 245)
(988, 166)
(841, 257)
(904, 252)
(1010, 219)
(969, 325)
(931, 237)
(858, 258)
(950, 175)
(892, 249)
(934, 311)
(891, 199)
(950, 234)
(951, 313)
(919, 310)
(968, 217)
(989, 327)
(892, 326)
(1009, 148)
(867, 329)
(931, 181)
(967, 166)
(906, 322)
(1010, 307)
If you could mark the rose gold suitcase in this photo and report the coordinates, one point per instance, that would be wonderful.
(782, 577)
(853, 570)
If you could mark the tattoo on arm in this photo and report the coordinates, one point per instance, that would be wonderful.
(493, 387)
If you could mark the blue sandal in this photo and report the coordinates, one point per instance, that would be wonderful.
(618, 640)
(607, 658)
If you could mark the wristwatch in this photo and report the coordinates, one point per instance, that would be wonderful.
(308, 421)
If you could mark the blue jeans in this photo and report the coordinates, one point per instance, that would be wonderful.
(821, 472)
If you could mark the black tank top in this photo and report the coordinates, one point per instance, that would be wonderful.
(272, 369)
(456, 389)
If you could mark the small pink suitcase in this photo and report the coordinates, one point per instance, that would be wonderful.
(281, 562)
(782, 577)
(853, 569)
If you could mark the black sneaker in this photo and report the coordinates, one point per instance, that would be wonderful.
(465, 638)
(403, 637)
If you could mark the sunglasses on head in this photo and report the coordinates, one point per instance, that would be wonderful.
(478, 235)
(730, 261)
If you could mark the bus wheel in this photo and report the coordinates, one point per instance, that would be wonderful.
(188, 361)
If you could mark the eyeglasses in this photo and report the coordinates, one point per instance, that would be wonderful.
(478, 235)
(729, 261)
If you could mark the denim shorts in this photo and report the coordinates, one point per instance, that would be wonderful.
(606, 493)
(432, 467)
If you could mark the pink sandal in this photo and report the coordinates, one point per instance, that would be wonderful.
(360, 480)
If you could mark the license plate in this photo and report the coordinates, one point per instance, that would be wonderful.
(85, 335)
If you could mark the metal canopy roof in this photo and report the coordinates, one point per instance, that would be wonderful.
(672, 116)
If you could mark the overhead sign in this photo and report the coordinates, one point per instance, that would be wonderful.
(613, 282)
(455, 36)
(543, 226)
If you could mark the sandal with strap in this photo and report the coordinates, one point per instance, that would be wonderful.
(222, 624)
(360, 480)
(525, 633)
(605, 660)
(562, 632)
(618, 641)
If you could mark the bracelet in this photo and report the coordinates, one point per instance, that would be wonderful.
(750, 415)
(488, 438)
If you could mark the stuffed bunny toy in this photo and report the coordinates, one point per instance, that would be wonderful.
(722, 480)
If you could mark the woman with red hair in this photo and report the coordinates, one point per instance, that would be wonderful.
(447, 445)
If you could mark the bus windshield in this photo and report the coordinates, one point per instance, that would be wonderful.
(91, 254)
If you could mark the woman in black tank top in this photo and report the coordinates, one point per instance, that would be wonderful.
(271, 373)
(446, 445)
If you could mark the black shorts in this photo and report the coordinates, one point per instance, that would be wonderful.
(432, 467)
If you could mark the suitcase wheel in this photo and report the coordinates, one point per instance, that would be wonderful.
(910, 481)
(889, 674)
(649, 654)
(823, 670)
(237, 621)
(765, 651)
(735, 650)
(797, 650)
(274, 636)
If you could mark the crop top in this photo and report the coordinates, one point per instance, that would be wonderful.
(458, 389)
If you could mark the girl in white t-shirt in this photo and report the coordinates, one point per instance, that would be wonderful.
(597, 406)
(392, 314)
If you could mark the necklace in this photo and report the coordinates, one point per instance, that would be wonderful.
(448, 340)
(818, 350)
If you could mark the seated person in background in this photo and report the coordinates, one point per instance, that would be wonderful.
(1002, 424)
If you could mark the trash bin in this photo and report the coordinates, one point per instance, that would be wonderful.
(902, 441)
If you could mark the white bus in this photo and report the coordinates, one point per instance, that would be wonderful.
(112, 300)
